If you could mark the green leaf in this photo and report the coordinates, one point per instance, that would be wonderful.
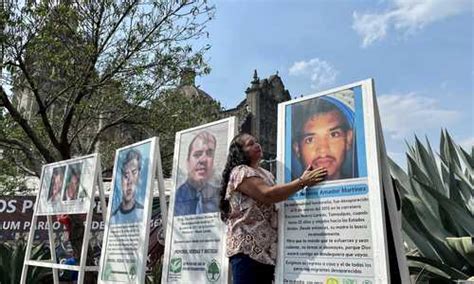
(464, 246)
(440, 271)
(417, 178)
(460, 215)
(426, 233)
(400, 177)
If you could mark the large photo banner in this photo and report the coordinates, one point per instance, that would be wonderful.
(67, 186)
(16, 213)
(333, 232)
(195, 235)
(125, 243)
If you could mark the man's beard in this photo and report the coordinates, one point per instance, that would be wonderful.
(198, 183)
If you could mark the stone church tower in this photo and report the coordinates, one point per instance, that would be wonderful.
(258, 112)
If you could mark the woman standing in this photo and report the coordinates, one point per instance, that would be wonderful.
(248, 195)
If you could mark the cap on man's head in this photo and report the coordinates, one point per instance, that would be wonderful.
(303, 111)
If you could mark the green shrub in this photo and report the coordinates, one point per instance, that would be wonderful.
(437, 210)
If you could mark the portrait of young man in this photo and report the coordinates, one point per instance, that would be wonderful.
(57, 180)
(198, 195)
(323, 136)
(73, 180)
(130, 210)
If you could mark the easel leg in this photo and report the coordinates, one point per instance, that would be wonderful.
(52, 247)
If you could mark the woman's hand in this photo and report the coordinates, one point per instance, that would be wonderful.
(258, 189)
(312, 176)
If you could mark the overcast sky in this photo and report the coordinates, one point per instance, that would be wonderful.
(420, 54)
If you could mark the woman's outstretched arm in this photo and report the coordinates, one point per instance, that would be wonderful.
(256, 188)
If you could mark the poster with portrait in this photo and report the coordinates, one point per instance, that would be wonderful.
(194, 248)
(66, 187)
(125, 243)
(333, 232)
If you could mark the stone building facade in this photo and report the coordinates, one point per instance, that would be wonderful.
(258, 113)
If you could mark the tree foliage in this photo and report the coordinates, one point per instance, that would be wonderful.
(80, 69)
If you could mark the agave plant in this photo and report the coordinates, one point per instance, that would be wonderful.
(11, 264)
(437, 195)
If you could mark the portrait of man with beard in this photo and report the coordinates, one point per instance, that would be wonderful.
(197, 195)
(323, 135)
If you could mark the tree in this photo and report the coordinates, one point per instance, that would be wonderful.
(14, 164)
(80, 69)
(88, 67)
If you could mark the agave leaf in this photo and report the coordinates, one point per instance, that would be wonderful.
(401, 177)
(455, 191)
(464, 246)
(437, 268)
(416, 155)
(448, 151)
(417, 177)
(417, 172)
(419, 240)
(442, 142)
(429, 167)
(410, 151)
(469, 160)
(466, 191)
(417, 209)
(463, 180)
(459, 214)
(451, 225)
(400, 188)
(425, 233)
(438, 203)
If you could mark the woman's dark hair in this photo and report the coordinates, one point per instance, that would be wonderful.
(235, 158)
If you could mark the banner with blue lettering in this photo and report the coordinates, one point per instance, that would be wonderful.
(333, 232)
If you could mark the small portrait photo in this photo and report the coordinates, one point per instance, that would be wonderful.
(56, 185)
(131, 173)
(323, 134)
(73, 182)
(200, 163)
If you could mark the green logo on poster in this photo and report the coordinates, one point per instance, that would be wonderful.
(366, 282)
(332, 281)
(107, 271)
(132, 271)
(349, 281)
(213, 271)
(176, 264)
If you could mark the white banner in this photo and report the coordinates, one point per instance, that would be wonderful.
(195, 236)
(125, 243)
(333, 232)
(66, 186)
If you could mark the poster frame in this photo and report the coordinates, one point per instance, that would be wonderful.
(231, 132)
(374, 179)
(153, 174)
(97, 184)
(67, 164)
